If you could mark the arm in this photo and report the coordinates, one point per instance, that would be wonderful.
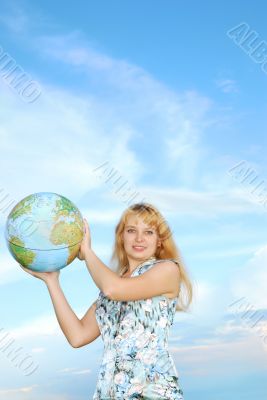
(103, 276)
(161, 279)
(78, 332)
(90, 327)
(100, 273)
(67, 319)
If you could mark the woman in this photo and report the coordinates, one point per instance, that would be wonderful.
(134, 310)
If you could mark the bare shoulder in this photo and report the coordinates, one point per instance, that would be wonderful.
(161, 278)
(166, 267)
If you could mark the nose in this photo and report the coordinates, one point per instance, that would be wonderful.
(139, 236)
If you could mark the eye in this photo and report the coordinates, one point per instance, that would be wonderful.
(128, 230)
(150, 232)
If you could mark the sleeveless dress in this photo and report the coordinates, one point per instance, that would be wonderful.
(136, 363)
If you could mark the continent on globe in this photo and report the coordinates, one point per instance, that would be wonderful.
(44, 231)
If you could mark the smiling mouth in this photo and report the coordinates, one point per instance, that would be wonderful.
(138, 247)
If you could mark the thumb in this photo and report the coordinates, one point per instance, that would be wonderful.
(86, 226)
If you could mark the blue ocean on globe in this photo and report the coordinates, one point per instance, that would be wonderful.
(44, 231)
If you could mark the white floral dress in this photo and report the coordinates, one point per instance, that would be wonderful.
(136, 363)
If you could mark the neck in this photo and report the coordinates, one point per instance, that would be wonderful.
(135, 263)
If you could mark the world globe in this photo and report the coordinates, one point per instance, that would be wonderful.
(44, 231)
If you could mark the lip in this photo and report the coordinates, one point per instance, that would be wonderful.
(138, 248)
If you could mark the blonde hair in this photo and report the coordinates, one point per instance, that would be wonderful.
(167, 249)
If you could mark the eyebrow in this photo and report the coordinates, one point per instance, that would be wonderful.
(132, 226)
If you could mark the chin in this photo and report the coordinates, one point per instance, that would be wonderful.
(141, 255)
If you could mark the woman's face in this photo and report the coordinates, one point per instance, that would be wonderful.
(140, 240)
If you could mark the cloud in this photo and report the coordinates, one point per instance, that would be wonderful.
(173, 203)
(227, 85)
(207, 303)
(46, 325)
(212, 349)
(211, 358)
(25, 389)
(212, 253)
(74, 371)
(38, 350)
(66, 134)
(10, 270)
(63, 149)
(202, 203)
(29, 393)
(249, 281)
(15, 20)
(177, 120)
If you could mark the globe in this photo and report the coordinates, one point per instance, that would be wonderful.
(44, 231)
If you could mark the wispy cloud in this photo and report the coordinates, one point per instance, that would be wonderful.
(116, 110)
(15, 19)
(223, 352)
(250, 280)
(25, 389)
(177, 120)
(42, 326)
(9, 271)
(227, 85)
(73, 371)
(203, 203)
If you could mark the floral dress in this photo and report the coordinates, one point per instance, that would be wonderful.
(136, 363)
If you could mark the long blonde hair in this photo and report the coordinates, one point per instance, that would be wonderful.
(168, 248)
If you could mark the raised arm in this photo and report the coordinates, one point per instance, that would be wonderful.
(163, 278)
(69, 323)
(77, 332)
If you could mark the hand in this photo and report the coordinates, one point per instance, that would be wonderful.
(86, 242)
(44, 276)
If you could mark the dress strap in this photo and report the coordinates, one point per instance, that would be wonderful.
(155, 261)
(168, 259)
(174, 260)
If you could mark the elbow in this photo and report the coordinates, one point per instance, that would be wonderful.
(111, 291)
(113, 295)
(75, 344)
(109, 295)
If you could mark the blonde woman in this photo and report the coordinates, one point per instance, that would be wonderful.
(134, 310)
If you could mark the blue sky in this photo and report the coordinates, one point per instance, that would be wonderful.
(177, 109)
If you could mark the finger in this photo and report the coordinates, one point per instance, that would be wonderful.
(86, 222)
(26, 269)
(86, 227)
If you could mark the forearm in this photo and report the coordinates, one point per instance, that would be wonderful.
(67, 319)
(103, 276)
